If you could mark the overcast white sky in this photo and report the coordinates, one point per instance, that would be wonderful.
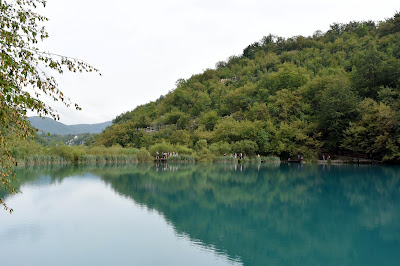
(143, 47)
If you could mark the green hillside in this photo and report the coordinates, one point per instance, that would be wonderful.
(335, 92)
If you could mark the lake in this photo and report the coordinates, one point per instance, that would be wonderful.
(204, 214)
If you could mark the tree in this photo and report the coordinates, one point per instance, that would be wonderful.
(246, 146)
(220, 148)
(367, 74)
(287, 105)
(22, 69)
(375, 133)
(209, 119)
(337, 108)
(289, 76)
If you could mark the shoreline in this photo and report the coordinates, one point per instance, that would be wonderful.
(318, 162)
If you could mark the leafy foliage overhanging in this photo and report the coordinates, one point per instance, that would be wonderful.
(24, 78)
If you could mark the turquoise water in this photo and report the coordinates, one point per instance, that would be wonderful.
(204, 215)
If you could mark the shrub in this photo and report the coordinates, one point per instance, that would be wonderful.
(270, 159)
(221, 148)
(201, 144)
(63, 151)
(183, 150)
(247, 147)
(204, 155)
(161, 147)
(181, 158)
(225, 159)
(144, 156)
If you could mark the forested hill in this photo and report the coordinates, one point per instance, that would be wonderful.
(335, 92)
(51, 126)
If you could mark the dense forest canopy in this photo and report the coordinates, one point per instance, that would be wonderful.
(335, 92)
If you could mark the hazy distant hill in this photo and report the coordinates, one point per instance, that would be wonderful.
(51, 126)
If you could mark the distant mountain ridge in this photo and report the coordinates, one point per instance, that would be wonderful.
(51, 126)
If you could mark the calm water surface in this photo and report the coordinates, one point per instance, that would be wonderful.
(204, 215)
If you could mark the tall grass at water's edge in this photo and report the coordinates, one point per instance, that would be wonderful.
(90, 159)
(100, 155)
(182, 158)
(231, 159)
(83, 159)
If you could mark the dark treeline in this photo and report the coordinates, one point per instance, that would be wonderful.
(335, 92)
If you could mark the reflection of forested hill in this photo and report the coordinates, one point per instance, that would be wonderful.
(271, 215)
(285, 214)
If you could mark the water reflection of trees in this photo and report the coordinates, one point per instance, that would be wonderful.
(272, 214)
(299, 214)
